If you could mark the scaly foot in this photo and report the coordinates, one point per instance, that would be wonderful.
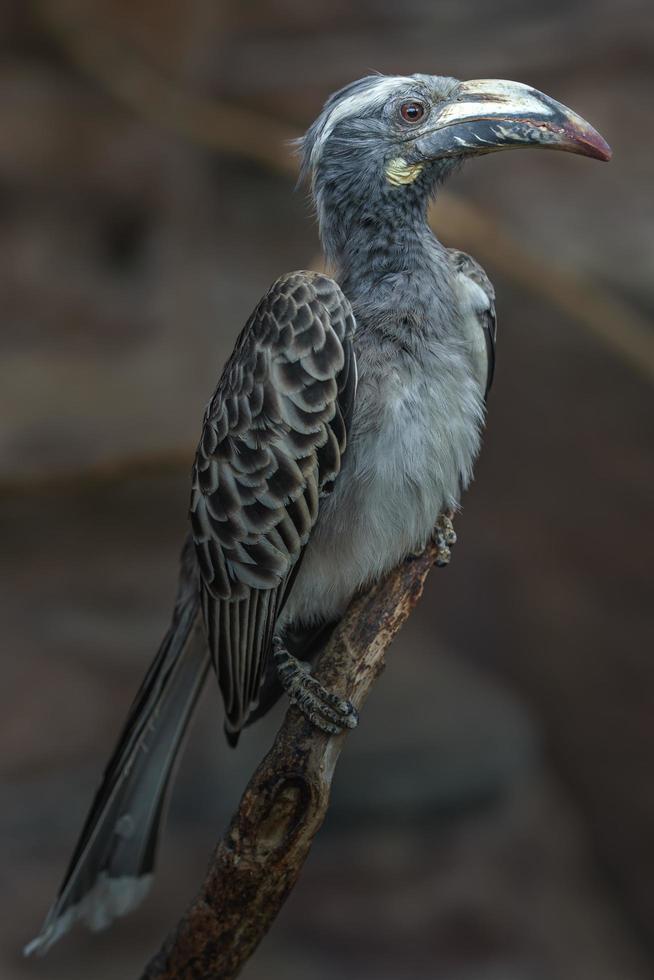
(445, 538)
(323, 708)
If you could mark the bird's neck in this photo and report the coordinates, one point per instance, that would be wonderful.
(376, 240)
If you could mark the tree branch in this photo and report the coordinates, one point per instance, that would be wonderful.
(257, 863)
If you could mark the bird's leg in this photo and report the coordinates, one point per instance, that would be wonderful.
(445, 538)
(323, 708)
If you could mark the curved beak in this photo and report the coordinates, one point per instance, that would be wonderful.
(487, 115)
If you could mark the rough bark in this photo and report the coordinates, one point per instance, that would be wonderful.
(259, 859)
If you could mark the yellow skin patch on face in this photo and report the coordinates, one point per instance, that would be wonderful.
(399, 172)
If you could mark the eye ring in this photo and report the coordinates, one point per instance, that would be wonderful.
(413, 112)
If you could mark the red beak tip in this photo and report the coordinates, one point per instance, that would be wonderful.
(607, 153)
(599, 148)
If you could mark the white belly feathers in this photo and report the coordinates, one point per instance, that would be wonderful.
(413, 441)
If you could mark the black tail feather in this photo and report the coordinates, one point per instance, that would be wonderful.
(112, 864)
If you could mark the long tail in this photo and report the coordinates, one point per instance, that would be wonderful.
(111, 868)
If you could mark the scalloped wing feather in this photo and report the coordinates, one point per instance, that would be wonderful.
(271, 446)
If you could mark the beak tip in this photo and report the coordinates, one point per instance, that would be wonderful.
(600, 149)
(607, 154)
(583, 139)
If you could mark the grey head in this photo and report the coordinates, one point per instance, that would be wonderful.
(382, 145)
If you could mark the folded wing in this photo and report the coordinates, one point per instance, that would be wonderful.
(272, 441)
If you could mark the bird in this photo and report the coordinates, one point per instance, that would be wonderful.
(339, 439)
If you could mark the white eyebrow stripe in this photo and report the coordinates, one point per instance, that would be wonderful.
(354, 104)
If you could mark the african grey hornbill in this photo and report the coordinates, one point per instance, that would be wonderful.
(309, 485)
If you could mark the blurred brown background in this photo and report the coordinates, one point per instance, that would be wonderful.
(493, 816)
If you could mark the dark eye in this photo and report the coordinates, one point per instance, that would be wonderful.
(412, 112)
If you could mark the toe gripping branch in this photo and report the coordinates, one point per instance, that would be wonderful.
(445, 538)
(324, 709)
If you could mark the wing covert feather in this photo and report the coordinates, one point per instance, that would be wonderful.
(486, 316)
(272, 441)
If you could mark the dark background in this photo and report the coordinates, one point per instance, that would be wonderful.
(493, 816)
